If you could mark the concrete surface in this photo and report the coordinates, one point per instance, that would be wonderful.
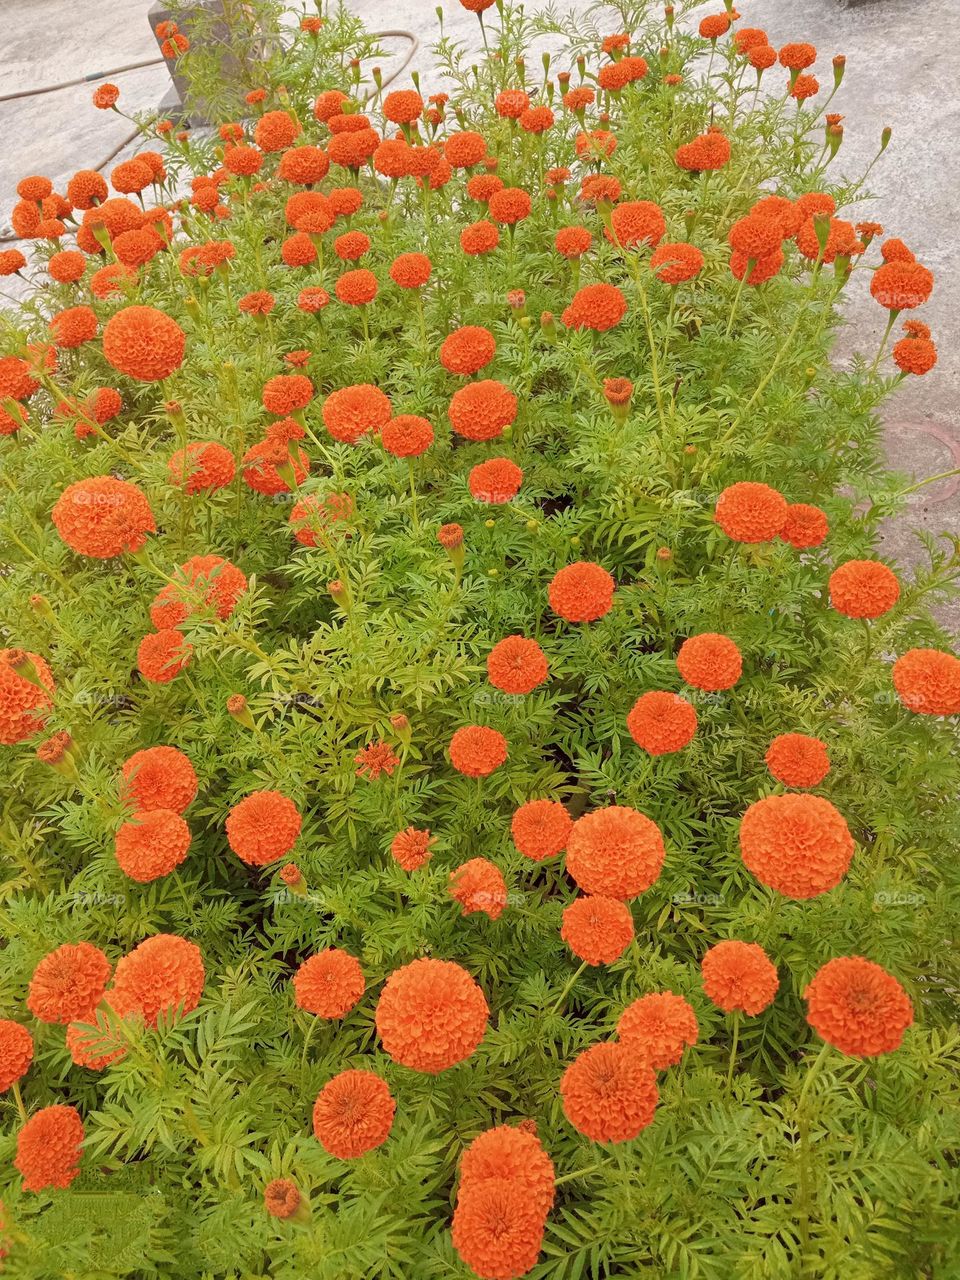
(902, 70)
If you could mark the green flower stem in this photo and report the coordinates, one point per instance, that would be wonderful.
(568, 988)
(735, 1040)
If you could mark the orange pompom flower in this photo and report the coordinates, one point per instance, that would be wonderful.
(497, 1230)
(202, 586)
(617, 852)
(481, 410)
(276, 130)
(516, 665)
(676, 263)
(495, 481)
(661, 722)
(202, 467)
(158, 778)
(513, 1154)
(410, 270)
(329, 984)
(152, 844)
(468, 350)
(16, 1052)
(356, 288)
(477, 751)
(262, 827)
(915, 353)
(635, 223)
(581, 592)
(478, 885)
(144, 343)
(431, 1015)
(609, 1093)
(927, 681)
(658, 1027)
(597, 929)
(797, 844)
(541, 828)
(354, 411)
(48, 1148)
(797, 760)
(353, 1114)
(73, 327)
(805, 526)
(750, 512)
(164, 974)
(710, 661)
(596, 306)
(102, 517)
(797, 57)
(856, 1006)
(162, 655)
(739, 976)
(281, 1198)
(287, 393)
(901, 285)
(709, 151)
(410, 849)
(863, 589)
(24, 703)
(407, 436)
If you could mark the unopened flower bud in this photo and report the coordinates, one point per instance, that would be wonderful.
(238, 709)
(340, 593)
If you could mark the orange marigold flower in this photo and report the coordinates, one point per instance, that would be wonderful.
(16, 379)
(597, 929)
(23, 702)
(164, 974)
(105, 96)
(310, 212)
(431, 1015)
(541, 828)
(162, 655)
(73, 327)
(894, 250)
(407, 436)
(202, 467)
(243, 161)
(536, 119)
(747, 37)
(303, 165)
(617, 852)
(804, 87)
(915, 353)
(286, 393)
(158, 778)
(636, 222)
(353, 1114)
(658, 1027)
(514, 1154)
(517, 665)
(152, 844)
(276, 130)
(750, 512)
(468, 350)
(130, 177)
(68, 983)
(710, 150)
(403, 106)
(661, 722)
(479, 238)
(329, 984)
(259, 303)
(329, 104)
(353, 148)
(67, 266)
(797, 57)
(757, 235)
(596, 306)
(103, 517)
(281, 1199)
(351, 246)
(739, 975)
(313, 515)
(863, 589)
(376, 758)
(495, 481)
(509, 205)
(856, 1006)
(410, 270)
(497, 1230)
(841, 240)
(710, 661)
(49, 1146)
(478, 885)
(581, 592)
(312, 299)
(203, 584)
(86, 188)
(262, 827)
(797, 760)
(764, 269)
(410, 849)
(676, 263)
(714, 25)
(481, 410)
(477, 751)
(609, 1093)
(617, 391)
(354, 411)
(16, 1052)
(356, 288)
(572, 242)
(482, 186)
(900, 286)
(261, 461)
(805, 526)
(34, 188)
(143, 343)
(783, 210)
(465, 149)
(927, 681)
(511, 103)
(797, 844)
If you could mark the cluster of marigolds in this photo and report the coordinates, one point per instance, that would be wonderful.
(431, 1014)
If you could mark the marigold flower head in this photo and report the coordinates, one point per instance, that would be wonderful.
(495, 481)
(258, 303)
(497, 1230)
(751, 512)
(609, 1093)
(710, 661)
(676, 263)
(478, 885)
(303, 165)
(465, 149)
(479, 238)
(105, 96)
(356, 288)
(403, 106)
(261, 461)
(87, 188)
(354, 411)
(16, 1052)
(202, 467)
(23, 702)
(468, 350)
(658, 1027)
(67, 266)
(805, 526)
(763, 269)
(841, 240)
(797, 57)
(329, 104)
(481, 410)
(164, 974)
(329, 984)
(130, 177)
(858, 1007)
(572, 242)
(102, 517)
(516, 665)
(450, 536)
(739, 976)
(661, 722)
(262, 827)
(286, 393)
(541, 828)
(313, 515)
(596, 306)
(477, 751)
(310, 212)
(482, 186)
(863, 589)
(901, 286)
(203, 584)
(799, 845)
(151, 844)
(714, 25)
(536, 119)
(711, 150)
(276, 130)
(617, 852)
(927, 682)
(797, 760)
(48, 1148)
(757, 235)
(431, 1015)
(410, 270)
(410, 849)
(375, 758)
(636, 222)
(513, 1154)
(509, 205)
(162, 655)
(73, 327)
(353, 1114)
(407, 436)
(581, 592)
(312, 299)
(158, 778)
(281, 1199)
(915, 353)
(353, 148)
(597, 929)
(143, 343)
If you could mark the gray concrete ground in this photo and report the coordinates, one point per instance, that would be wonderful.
(902, 70)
